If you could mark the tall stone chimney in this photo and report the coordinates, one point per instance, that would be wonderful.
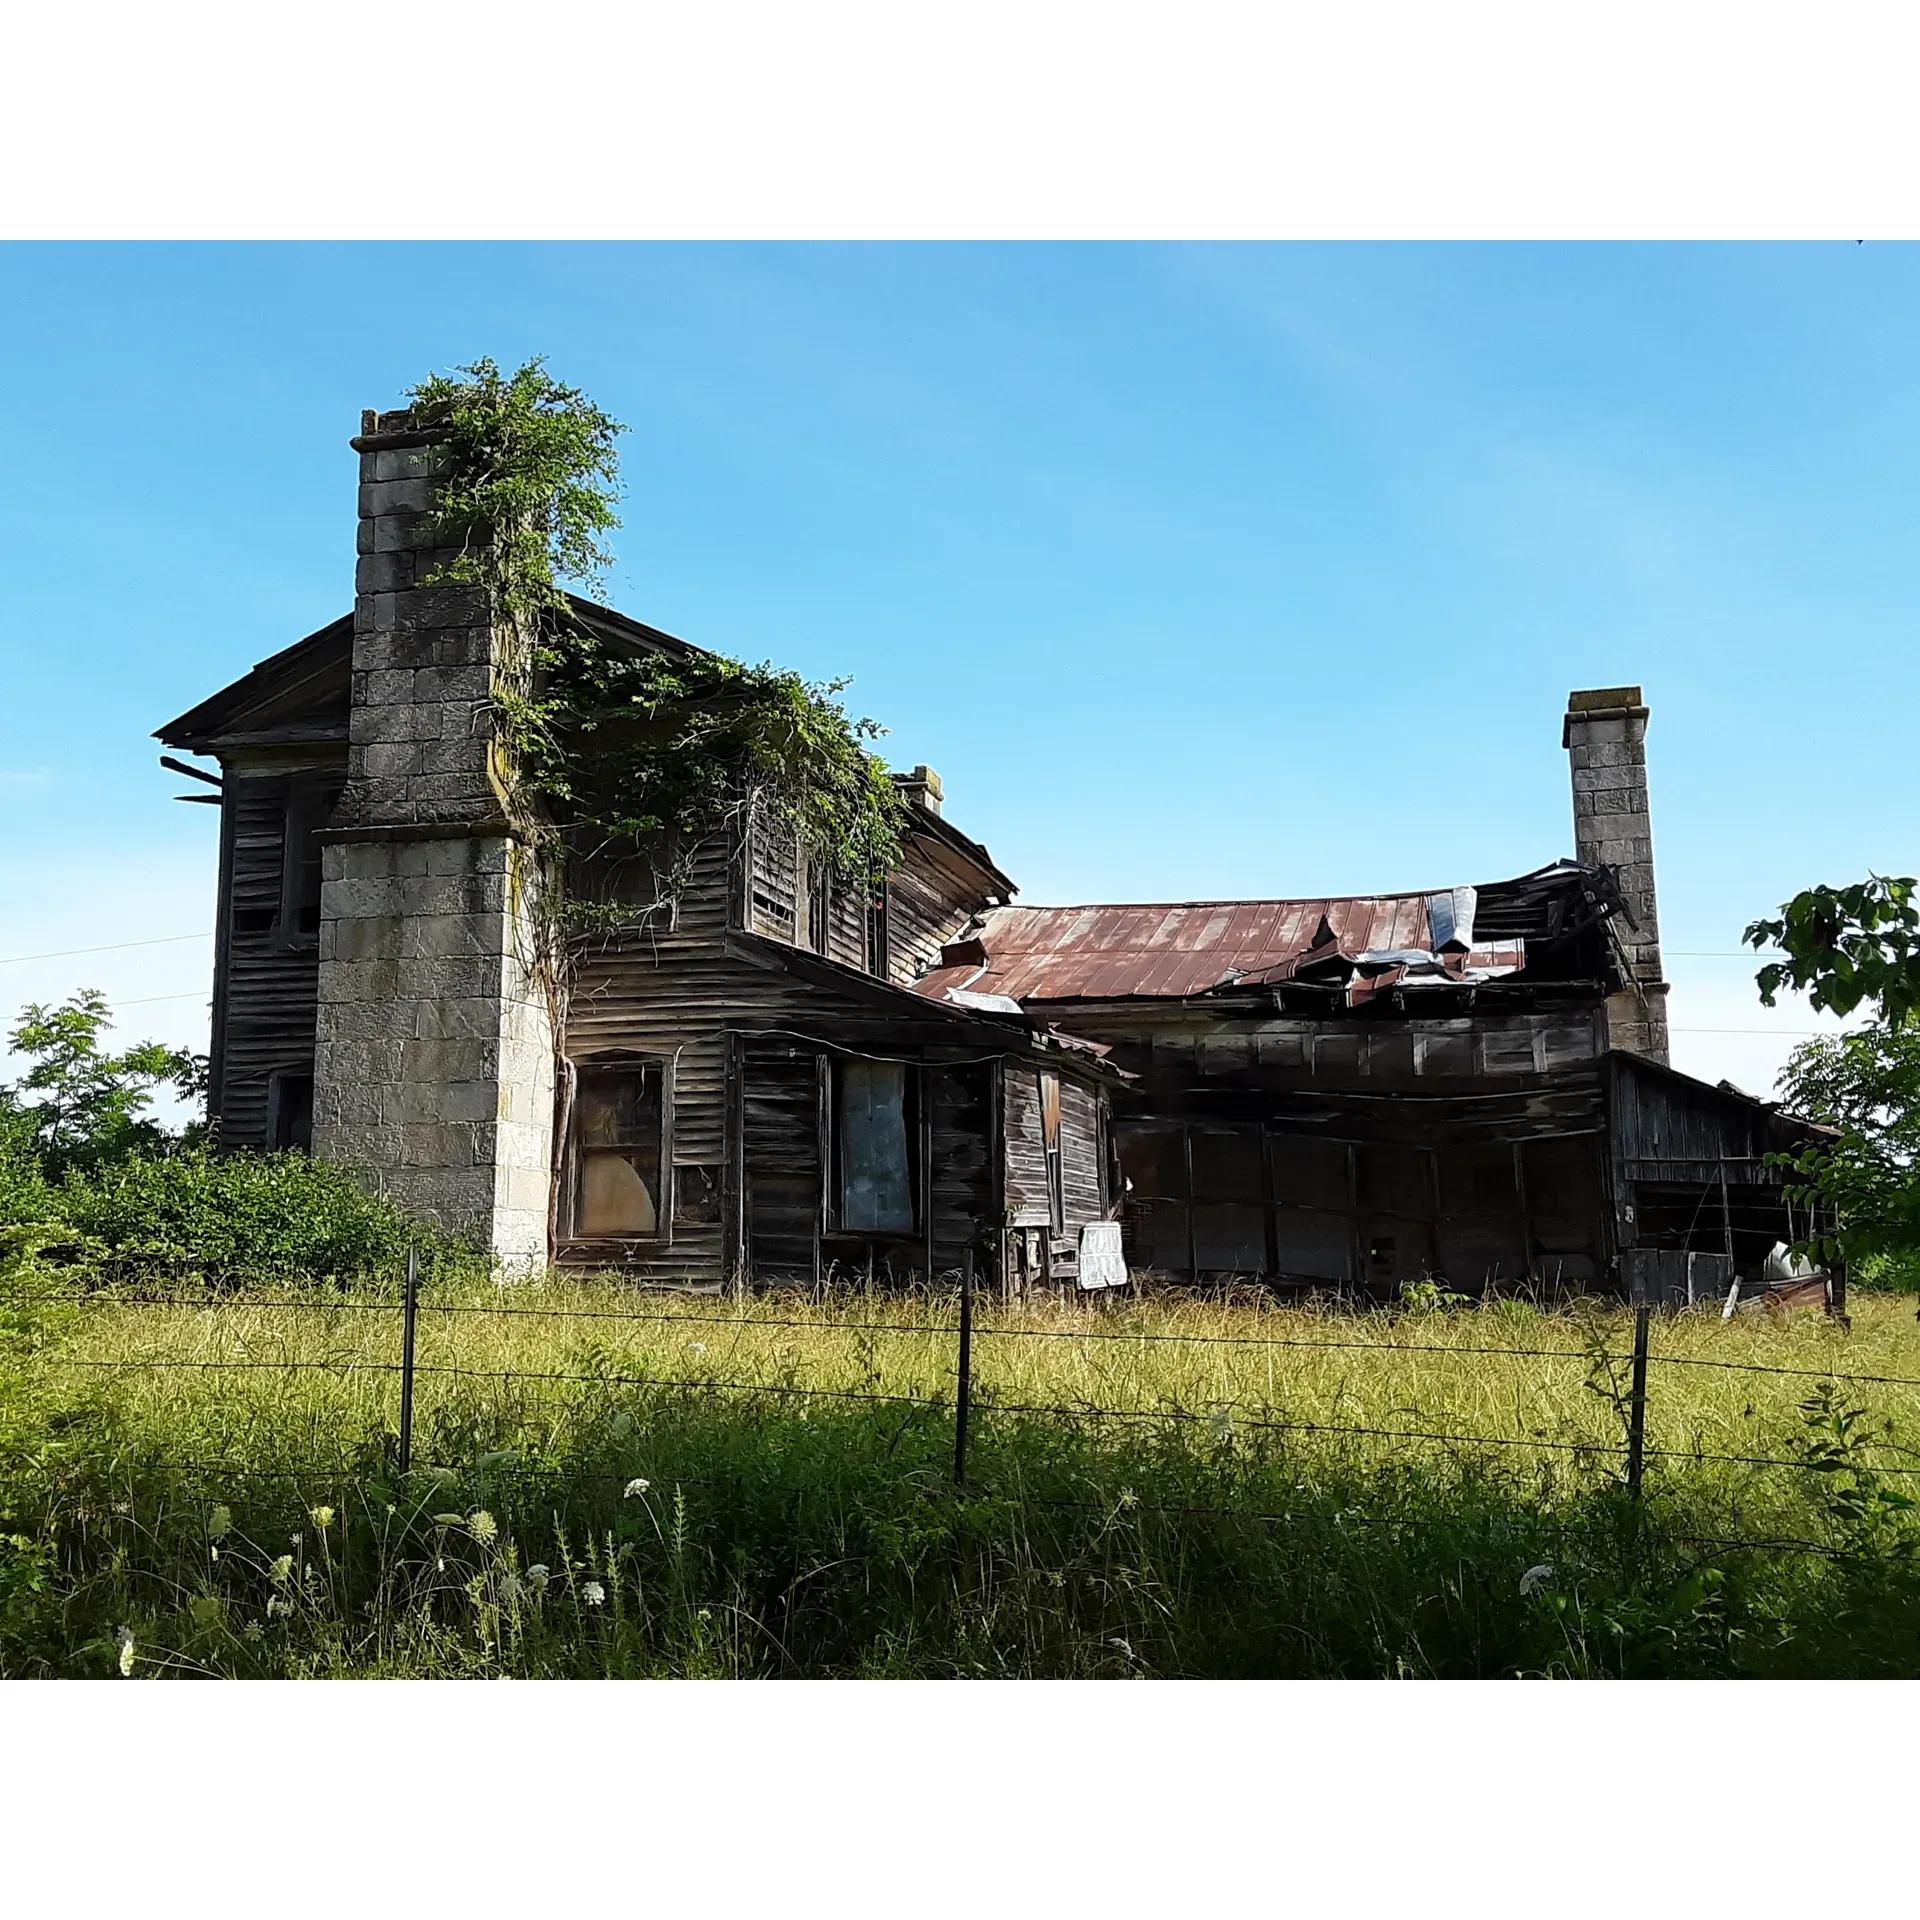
(1605, 735)
(433, 1072)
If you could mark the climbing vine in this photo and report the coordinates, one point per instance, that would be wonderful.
(608, 749)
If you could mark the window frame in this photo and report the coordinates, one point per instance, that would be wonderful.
(834, 1161)
(1051, 1122)
(624, 1060)
(308, 806)
(879, 930)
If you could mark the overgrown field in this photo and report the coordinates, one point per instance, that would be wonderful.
(210, 1485)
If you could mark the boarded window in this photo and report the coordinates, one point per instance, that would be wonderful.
(1311, 1173)
(619, 1128)
(871, 1147)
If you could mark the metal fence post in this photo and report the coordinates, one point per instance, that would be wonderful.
(1637, 1411)
(410, 1314)
(963, 1393)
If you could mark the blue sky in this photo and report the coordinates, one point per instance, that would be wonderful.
(1197, 571)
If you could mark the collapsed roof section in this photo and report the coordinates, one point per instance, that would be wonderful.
(1553, 924)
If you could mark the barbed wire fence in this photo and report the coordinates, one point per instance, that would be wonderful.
(1632, 1452)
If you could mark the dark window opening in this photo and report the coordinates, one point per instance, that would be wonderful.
(310, 805)
(619, 1152)
(819, 906)
(879, 957)
(872, 1134)
(290, 1112)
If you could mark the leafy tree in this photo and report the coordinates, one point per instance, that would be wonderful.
(80, 1107)
(1865, 1086)
(1846, 947)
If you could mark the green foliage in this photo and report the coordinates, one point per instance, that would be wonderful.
(239, 1219)
(79, 1106)
(617, 751)
(91, 1185)
(1866, 1179)
(632, 748)
(529, 494)
(1845, 947)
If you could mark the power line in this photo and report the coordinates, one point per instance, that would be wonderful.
(118, 946)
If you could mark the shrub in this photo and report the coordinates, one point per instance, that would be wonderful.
(243, 1217)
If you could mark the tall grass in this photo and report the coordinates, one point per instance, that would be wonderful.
(1174, 1487)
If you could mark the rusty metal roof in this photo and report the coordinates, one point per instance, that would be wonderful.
(1171, 950)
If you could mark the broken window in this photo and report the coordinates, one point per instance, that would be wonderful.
(871, 1147)
(309, 806)
(290, 1112)
(619, 1150)
(1050, 1137)
(816, 885)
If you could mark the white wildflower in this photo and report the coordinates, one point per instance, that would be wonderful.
(636, 1487)
(282, 1570)
(322, 1517)
(295, 1539)
(1535, 1576)
(1221, 1421)
(696, 1346)
(275, 1605)
(510, 1587)
(219, 1523)
(126, 1651)
(483, 1527)
(537, 1576)
(594, 1594)
(254, 1631)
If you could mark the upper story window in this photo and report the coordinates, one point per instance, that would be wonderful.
(879, 954)
(310, 805)
(619, 1151)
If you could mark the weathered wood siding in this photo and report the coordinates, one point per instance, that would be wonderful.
(962, 1165)
(267, 972)
(924, 911)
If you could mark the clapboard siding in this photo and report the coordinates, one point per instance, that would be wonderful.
(962, 1187)
(271, 976)
(1082, 1155)
(780, 1134)
(1029, 1202)
(924, 912)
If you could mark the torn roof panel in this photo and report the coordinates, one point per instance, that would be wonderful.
(1173, 950)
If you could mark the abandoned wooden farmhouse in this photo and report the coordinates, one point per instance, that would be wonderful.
(788, 1079)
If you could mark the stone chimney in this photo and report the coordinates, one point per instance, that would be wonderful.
(1605, 735)
(433, 1072)
(921, 788)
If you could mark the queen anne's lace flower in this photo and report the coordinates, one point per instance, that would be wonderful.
(219, 1523)
(126, 1651)
(481, 1524)
(636, 1487)
(594, 1594)
(1535, 1576)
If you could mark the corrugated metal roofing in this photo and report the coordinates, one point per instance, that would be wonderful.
(1168, 951)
